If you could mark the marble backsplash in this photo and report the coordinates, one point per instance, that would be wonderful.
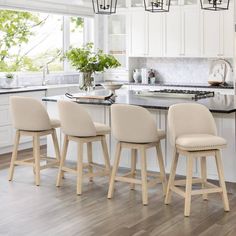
(175, 70)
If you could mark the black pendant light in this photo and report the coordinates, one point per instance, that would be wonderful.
(104, 7)
(215, 5)
(157, 5)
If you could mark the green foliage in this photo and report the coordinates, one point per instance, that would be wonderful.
(16, 29)
(77, 22)
(85, 59)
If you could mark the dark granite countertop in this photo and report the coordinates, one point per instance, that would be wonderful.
(23, 89)
(217, 104)
(223, 86)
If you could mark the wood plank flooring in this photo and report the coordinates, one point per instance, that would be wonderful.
(47, 210)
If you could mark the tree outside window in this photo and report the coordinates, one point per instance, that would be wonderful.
(29, 40)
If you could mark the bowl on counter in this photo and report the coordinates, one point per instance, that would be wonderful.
(112, 86)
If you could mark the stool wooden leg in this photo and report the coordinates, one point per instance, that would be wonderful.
(144, 176)
(62, 161)
(114, 170)
(105, 154)
(56, 146)
(133, 166)
(36, 148)
(90, 159)
(222, 180)
(203, 175)
(171, 177)
(162, 167)
(188, 189)
(80, 168)
(14, 155)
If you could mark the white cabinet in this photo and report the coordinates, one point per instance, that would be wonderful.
(116, 43)
(155, 35)
(173, 32)
(138, 33)
(218, 33)
(211, 33)
(185, 31)
(190, 42)
(228, 32)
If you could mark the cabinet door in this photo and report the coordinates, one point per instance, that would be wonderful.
(155, 35)
(211, 33)
(228, 32)
(173, 32)
(191, 31)
(138, 33)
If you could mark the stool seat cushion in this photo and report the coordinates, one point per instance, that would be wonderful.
(199, 142)
(102, 129)
(55, 123)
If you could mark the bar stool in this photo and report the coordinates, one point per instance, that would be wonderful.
(30, 118)
(134, 128)
(193, 134)
(78, 126)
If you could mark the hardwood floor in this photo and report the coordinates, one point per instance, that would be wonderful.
(26, 209)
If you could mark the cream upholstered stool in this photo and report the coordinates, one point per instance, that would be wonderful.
(30, 118)
(134, 128)
(193, 134)
(78, 126)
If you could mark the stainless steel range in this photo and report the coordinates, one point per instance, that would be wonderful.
(177, 93)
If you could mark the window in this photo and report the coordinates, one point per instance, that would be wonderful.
(29, 40)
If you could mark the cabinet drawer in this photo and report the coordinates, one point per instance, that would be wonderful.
(5, 118)
(6, 136)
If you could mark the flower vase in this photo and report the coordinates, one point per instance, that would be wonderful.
(87, 82)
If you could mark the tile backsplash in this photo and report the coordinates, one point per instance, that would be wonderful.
(35, 79)
(175, 70)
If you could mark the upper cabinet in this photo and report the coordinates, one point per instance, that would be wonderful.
(155, 39)
(191, 33)
(184, 31)
(173, 30)
(117, 37)
(138, 33)
(218, 33)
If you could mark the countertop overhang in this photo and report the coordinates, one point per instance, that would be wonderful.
(34, 88)
(218, 104)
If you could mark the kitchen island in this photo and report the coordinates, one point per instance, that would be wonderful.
(223, 108)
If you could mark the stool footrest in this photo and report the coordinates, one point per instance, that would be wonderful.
(212, 188)
(182, 182)
(128, 180)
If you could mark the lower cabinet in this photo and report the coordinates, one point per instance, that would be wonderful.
(6, 137)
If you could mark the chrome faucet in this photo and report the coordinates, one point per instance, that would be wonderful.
(45, 73)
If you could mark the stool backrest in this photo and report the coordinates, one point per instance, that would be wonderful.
(189, 118)
(29, 114)
(75, 120)
(133, 124)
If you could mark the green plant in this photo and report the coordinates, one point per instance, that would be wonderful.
(85, 59)
(9, 76)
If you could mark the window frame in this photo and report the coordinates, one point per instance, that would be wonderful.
(89, 34)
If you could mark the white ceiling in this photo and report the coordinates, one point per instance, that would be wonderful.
(69, 2)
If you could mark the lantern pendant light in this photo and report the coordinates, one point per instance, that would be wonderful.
(157, 5)
(215, 5)
(104, 7)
